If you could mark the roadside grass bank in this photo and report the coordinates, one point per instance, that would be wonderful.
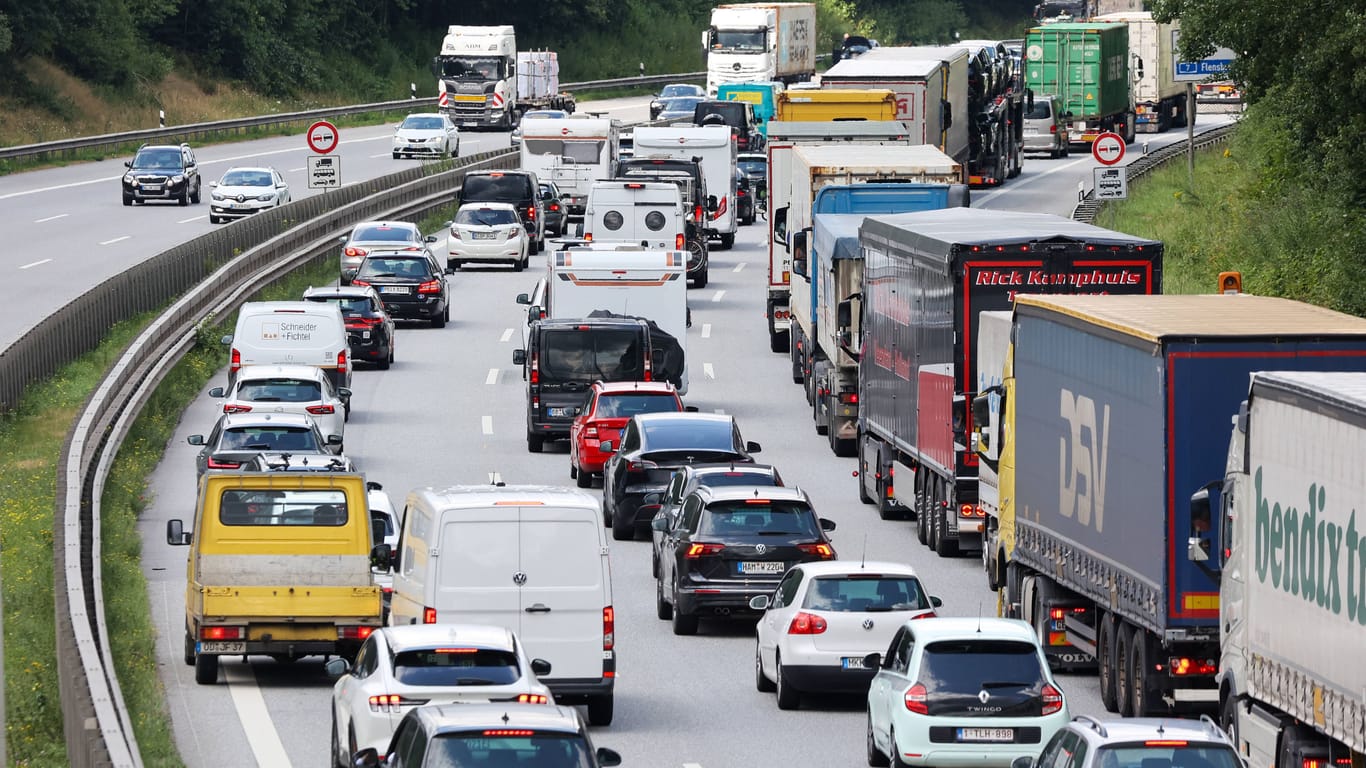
(30, 446)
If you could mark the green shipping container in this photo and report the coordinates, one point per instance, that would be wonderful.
(1085, 65)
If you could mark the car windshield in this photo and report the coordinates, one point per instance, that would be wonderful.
(349, 305)
(396, 266)
(753, 167)
(500, 187)
(968, 666)
(575, 355)
(456, 666)
(165, 158)
(1174, 755)
(499, 747)
(615, 405)
(279, 390)
(486, 217)
(1040, 111)
(246, 179)
(382, 234)
(269, 438)
(679, 89)
(740, 40)
(471, 67)
(293, 507)
(759, 517)
(865, 592)
(689, 433)
(681, 104)
(422, 123)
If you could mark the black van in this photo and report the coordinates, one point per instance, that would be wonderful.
(739, 115)
(521, 188)
(687, 174)
(562, 360)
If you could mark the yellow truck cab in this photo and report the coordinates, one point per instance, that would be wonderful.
(836, 104)
(279, 565)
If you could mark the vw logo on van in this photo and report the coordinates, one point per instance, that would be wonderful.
(519, 578)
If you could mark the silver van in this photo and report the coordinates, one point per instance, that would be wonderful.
(1045, 126)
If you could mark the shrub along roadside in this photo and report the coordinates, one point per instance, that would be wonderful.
(30, 444)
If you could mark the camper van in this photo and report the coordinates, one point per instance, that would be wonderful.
(573, 154)
(714, 145)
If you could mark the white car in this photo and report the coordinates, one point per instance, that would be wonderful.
(486, 232)
(825, 618)
(244, 191)
(384, 525)
(431, 134)
(300, 389)
(401, 668)
(960, 692)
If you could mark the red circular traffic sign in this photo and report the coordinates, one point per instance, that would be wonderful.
(322, 137)
(1108, 148)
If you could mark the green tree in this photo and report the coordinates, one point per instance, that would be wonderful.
(913, 22)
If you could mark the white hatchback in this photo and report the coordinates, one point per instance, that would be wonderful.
(301, 389)
(484, 232)
(244, 191)
(401, 668)
(825, 618)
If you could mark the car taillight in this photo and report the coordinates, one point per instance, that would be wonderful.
(609, 628)
(219, 464)
(455, 234)
(354, 633)
(554, 206)
(806, 624)
(355, 281)
(431, 286)
(640, 466)
(849, 398)
(588, 237)
(1052, 129)
(697, 213)
(532, 698)
(926, 615)
(680, 242)
(236, 408)
(235, 363)
(369, 320)
(320, 410)
(535, 368)
(916, 699)
(531, 213)
(821, 550)
(592, 430)
(428, 615)
(355, 253)
(222, 633)
(393, 703)
(513, 233)
(701, 550)
(1052, 699)
(739, 193)
(341, 362)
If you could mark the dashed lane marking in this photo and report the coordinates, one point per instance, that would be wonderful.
(51, 218)
(740, 266)
(718, 295)
(492, 378)
(192, 218)
(706, 330)
(488, 425)
(708, 371)
(507, 334)
(35, 263)
(116, 240)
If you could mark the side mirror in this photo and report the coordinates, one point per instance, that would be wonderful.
(430, 239)
(753, 447)
(343, 391)
(127, 163)
(366, 758)
(519, 357)
(712, 204)
(606, 446)
(607, 758)
(1023, 761)
(176, 535)
(337, 667)
(371, 485)
(226, 340)
(780, 225)
(524, 298)
(1198, 545)
(540, 667)
(334, 439)
(343, 239)
(218, 392)
(382, 557)
(690, 409)
(872, 661)
(799, 253)
(195, 439)
(660, 524)
(936, 602)
(827, 524)
(533, 314)
(759, 602)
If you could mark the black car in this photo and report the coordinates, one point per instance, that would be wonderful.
(411, 284)
(744, 198)
(162, 172)
(369, 328)
(755, 166)
(690, 478)
(732, 544)
(687, 175)
(653, 445)
(739, 115)
(553, 205)
(520, 188)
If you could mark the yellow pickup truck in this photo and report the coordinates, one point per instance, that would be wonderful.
(279, 565)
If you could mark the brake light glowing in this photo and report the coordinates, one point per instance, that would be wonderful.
(220, 464)
(222, 633)
(823, 551)
(554, 206)
(679, 242)
(971, 510)
(508, 732)
(609, 628)
(456, 650)
(341, 362)
(1164, 743)
(428, 615)
(532, 698)
(431, 286)
(849, 398)
(354, 252)
(354, 633)
(635, 185)
(319, 410)
(1184, 667)
(355, 281)
(697, 213)
(236, 408)
(1052, 699)
(916, 699)
(700, 550)
(588, 237)
(235, 364)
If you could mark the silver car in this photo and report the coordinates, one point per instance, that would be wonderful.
(1045, 127)
(433, 135)
(372, 236)
(244, 191)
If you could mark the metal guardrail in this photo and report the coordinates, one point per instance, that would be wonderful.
(1089, 206)
(194, 130)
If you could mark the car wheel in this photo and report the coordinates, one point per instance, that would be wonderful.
(663, 609)
(194, 197)
(388, 359)
(534, 442)
(189, 650)
(788, 696)
(727, 241)
(875, 757)
(623, 529)
(339, 759)
(683, 623)
(184, 198)
(213, 219)
(895, 760)
(1123, 682)
(454, 264)
(600, 709)
(440, 320)
(584, 479)
(1105, 661)
(761, 681)
(573, 468)
(654, 565)
(127, 199)
(519, 263)
(205, 669)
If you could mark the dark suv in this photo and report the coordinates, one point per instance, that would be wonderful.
(520, 188)
(411, 285)
(369, 328)
(690, 478)
(162, 172)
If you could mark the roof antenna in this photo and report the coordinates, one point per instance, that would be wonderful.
(863, 556)
(979, 617)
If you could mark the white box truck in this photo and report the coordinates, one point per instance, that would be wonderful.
(755, 42)
(573, 154)
(713, 144)
(1292, 601)
(1159, 101)
(482, 81)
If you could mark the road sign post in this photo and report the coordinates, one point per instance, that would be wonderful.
(1213, 67)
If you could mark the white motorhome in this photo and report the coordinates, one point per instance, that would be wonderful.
(573, 154)
(624, 279)
(530, 558)
(714, 145)
(647, 213)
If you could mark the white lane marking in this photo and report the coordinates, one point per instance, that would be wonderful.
(719, 294)
(507, 334)
(382, 154)
(740, 266)
(192, 218)
(262, 737)
(35, 263)
(694, 765)
(116, 240)
(295, 170)
(492, 378)
(706, 330)
(708, 371)
(51, 218)
(1028, 179)
(488, 425)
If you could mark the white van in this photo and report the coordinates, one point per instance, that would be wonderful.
(529, 558)
(713, 144)
(646, 213)
(291, 333)
(573, 154)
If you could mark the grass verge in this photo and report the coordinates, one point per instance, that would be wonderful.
(30, 445)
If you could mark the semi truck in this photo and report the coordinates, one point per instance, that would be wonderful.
(1159, 101)
(931, 87)
(1292, 602)
(1086, 66)
(483, 81)
(996, 108)
(926, 278)
(1096, 554)
(833, 188)
(748, 42)
(573, 154)
(783, 135)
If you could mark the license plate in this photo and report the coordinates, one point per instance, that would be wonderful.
(851, 662)
(986, 734)
(394, 289)
(239, 206)
(223, 646)
(152, 187)
(762, 566)
(1031, 131)
(485, 235)
(557, 411)
(470, 124)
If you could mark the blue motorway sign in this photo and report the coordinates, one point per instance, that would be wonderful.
(1215, 67)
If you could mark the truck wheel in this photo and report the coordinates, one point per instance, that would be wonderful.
(862, 474)
(189, 650)
(922, 515)
(534, 442)
(943, 545)
(1124, 639)
(1146, 703)
(727, 241)
(205, 669)
(600, 709)
(1105, 660)
(1228, 719)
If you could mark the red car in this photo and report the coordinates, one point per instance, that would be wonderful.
(608, 409)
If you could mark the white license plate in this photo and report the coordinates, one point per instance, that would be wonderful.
(851, 662)
(557, 411)
(986, 734)
(470, 123)
(152, 187)
(223, 646)
(762, 566)
(485, 235)
(394, 289)
(1031, 131)
(239, 206)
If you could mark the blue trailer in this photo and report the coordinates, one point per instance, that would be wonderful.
(1121, 407)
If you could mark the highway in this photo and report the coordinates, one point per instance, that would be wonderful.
(451, 411)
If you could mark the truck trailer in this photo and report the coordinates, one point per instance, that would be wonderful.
(1097, 554)
(1087, 67)
(1292, 603)
(749, 42)
(1159, 101)
(926, 278)
(483, 81)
